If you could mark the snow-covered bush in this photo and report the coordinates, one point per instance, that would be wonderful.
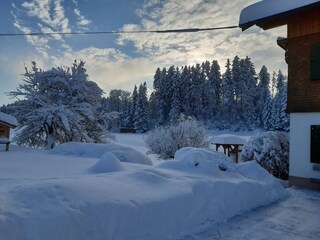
(165, 141)
(271, 151)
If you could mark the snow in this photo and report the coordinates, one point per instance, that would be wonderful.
(295, 218)
(228, 139)
(124, 154)
(268, 8)
(107, 163)
(4, 139)
(9, 119)
(83, 191)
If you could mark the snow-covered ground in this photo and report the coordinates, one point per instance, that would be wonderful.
(80, 192)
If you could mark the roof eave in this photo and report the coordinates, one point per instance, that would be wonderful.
(8, 124)
(275, 20)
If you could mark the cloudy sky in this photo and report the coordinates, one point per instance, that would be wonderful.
(120, 61)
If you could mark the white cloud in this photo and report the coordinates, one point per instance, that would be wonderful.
(48, 16)
(50, 12)
(190, 48)
(82, 20)
(110, 68)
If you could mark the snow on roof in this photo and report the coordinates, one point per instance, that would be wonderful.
(269, 8)
(8, 119)
(228, 139)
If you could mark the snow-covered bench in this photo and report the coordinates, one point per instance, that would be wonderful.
(6, 141)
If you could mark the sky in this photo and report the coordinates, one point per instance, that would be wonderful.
(119, 61)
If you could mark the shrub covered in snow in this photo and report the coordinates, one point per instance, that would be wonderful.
(165, 141)
(271, 151)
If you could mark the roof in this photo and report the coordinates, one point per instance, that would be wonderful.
(267, 10)
(8, 119)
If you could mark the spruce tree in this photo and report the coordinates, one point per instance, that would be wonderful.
(141, 109)
(228, 95)
(264, 103)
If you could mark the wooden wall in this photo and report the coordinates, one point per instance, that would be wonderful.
(4, 130)
(303, 93)
(304, 23)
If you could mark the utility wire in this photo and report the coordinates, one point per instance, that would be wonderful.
(182, 30)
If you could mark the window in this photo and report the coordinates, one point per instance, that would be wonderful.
(315, 144)
(315, 62)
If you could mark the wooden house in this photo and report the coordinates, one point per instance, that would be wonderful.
(302, 51)
(6, 123)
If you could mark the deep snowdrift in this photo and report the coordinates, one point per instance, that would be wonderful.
(62, 198)
(124, 154)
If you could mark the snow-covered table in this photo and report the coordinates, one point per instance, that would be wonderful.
(231, 144)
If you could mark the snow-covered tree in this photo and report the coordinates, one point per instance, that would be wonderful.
(228, 106)
(141, 109)
(248, 111)
(264, 105)
(196, 90)
(211, 90)
(279, 115)
(57, 106)
(185, 78)
(176, 101)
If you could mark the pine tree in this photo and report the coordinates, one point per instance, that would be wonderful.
(185, 78)
(280, 117)
(237, 78)
(176, 108)
(228, 95)
(248, 95)
(133, 107)
(196, 90)
(264, 103)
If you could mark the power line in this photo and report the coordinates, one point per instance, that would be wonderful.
(182, 30)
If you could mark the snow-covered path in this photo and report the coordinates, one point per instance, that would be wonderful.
(295, 218)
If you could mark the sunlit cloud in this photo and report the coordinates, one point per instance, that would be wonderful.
(109, 67)
(190, 48)
(82, 20)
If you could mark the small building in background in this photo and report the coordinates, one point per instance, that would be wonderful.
(6, 123)
(302, 50)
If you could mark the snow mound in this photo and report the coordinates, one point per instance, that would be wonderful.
(199, 161)
(124, 154)
(145, 202)
(107, 163)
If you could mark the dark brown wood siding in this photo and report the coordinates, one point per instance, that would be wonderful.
(304, 23)
(303, 93)
(4, 130)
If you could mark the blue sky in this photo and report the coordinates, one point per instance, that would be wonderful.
(120, 61)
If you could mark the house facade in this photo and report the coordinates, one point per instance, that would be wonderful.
(302, 51)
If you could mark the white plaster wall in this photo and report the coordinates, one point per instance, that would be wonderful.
(300, 165)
